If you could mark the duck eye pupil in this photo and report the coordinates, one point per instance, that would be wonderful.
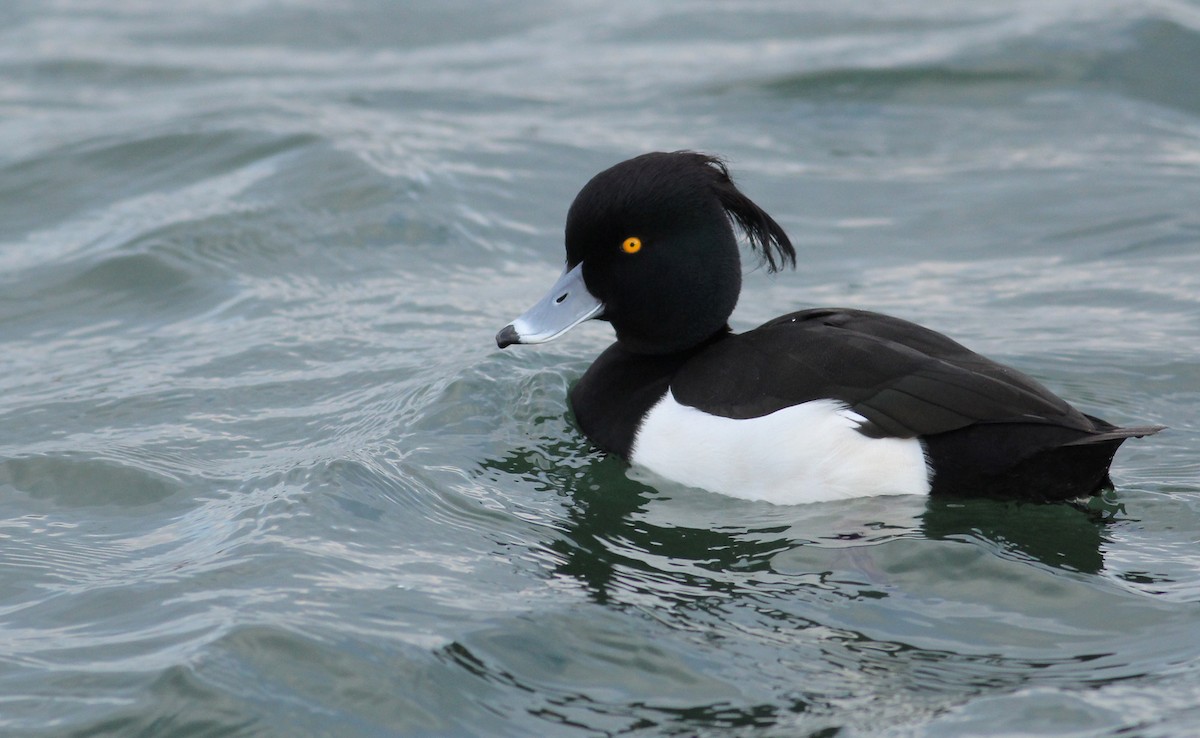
(632, 245)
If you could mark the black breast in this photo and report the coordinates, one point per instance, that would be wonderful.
(619, 388)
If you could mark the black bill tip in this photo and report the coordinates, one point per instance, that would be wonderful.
(507, 336)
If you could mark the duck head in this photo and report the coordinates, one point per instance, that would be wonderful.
(651, 249)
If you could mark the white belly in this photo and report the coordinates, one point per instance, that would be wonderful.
(811, 452)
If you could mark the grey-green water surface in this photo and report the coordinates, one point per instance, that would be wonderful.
(263, 471)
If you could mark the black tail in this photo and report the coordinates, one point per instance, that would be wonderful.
(1108, 432)
(1033, 461)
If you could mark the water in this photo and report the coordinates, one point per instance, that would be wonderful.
(264, 473)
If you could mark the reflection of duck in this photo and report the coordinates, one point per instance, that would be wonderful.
(623, 542)
(815, 405)
(1060, 536)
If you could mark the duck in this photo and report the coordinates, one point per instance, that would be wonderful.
(817, 405)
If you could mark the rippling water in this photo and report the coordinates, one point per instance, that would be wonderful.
(264, 473)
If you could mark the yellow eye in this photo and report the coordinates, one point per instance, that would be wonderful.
(632, 245)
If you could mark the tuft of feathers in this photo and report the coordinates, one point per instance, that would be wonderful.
(767, 238)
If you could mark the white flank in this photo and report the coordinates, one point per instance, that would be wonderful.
(811, 452)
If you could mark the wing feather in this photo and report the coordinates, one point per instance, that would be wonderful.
(906, 380)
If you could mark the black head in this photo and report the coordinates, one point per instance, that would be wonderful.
(655, 237)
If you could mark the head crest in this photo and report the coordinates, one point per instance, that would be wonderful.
(767, 238)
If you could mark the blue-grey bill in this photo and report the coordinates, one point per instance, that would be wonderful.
(566, 305)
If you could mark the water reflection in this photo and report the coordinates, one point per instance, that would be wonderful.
(824, 607)
(624, 539)
(1062, 536)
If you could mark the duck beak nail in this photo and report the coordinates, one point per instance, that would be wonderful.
(507, 336)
